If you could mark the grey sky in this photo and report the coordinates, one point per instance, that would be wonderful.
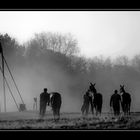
(107, 33)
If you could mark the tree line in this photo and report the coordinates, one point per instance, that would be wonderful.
(55, 52)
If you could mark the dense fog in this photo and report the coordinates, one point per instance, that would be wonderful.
(53, 61)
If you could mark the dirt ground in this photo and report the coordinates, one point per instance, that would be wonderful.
(69, 121)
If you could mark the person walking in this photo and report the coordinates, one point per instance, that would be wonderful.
(44, 101)
(35, 104)
(85, 106)
(115, 103)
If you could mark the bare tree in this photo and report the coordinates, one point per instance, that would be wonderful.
(64, 44)
(122, 60)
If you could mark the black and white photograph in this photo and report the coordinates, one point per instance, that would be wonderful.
(69, 70)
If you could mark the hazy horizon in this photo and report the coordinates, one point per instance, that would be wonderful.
(99, 33)
(106, 33)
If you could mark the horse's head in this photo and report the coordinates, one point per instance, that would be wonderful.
(92, 87)
(35, 99)
(122, 88)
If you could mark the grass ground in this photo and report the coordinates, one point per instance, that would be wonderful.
(68, 121)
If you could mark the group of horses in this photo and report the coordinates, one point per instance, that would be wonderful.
(96, 100)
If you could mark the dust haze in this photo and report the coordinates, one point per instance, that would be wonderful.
(44, 63)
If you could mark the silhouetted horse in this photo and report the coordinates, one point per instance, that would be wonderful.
(97, 99)
(56, 102)
(126, 101)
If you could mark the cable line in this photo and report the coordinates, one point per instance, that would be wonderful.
(9, 89)
(2, 56)
(13, 80)
(2, 68)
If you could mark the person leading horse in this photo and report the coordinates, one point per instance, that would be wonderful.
(125, 100)
(97, 99)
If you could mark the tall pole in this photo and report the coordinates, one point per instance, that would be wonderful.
(13, 79)
(4, 84)
(10, 90)
(1, 51)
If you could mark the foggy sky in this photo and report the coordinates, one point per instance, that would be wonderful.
(98, 33)
(107, 33)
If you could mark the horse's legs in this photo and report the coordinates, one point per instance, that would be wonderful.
(126, 109)
(92, 108)
(54, 113)
(83, 109)
(58, 115)
(129, 109)
(100, 111)
(123, 108)
(87, 109)
(96, 110)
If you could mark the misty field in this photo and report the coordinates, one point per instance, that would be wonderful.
(68, 121)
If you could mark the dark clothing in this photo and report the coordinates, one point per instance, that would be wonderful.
(115, 103)
(45, 97)
(44, 101)
(85, 106)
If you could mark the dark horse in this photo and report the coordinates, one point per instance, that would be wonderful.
(56, 101)
(97, 99)
(126, 101)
